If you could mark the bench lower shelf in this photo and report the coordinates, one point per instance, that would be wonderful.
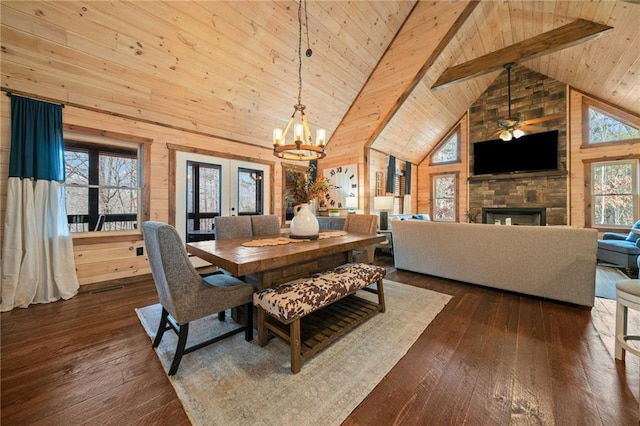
(322, 327)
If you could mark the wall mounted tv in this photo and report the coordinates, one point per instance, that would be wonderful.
(533, 152)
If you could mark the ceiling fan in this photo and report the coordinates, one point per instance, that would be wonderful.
(511, 127)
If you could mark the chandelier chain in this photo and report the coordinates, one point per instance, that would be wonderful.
(300, 52)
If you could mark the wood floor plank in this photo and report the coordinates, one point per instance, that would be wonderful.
(490, 357)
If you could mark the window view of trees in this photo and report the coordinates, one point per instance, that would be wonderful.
(250, 191)
(448, 152)
(203, 194)
(605, 128)
(613, 187)
(102, 187)
(444, 190)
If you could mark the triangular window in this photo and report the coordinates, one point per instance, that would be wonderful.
(448, 152)
(606, 128)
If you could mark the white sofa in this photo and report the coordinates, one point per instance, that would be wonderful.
(552, 262)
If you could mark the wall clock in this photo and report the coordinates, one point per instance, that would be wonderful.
(345, 182)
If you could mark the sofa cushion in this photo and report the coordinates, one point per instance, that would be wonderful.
(633, 237)
(621, 246)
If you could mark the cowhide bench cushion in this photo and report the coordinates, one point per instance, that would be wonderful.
(301, 297)
(288, 303)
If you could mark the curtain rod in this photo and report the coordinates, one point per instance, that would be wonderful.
(10, 94)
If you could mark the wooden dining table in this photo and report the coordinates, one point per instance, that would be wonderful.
(266, 266)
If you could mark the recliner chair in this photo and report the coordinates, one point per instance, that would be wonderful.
(621, 250)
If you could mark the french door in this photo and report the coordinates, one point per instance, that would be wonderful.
(208, 186)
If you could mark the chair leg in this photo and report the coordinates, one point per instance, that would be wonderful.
(221, 315)
(161, 328)
(248, 311)
(182, 342)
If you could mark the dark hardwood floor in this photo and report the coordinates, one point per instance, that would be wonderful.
(489, 358)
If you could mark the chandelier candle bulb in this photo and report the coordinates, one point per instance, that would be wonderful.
(277, 137)
(298, 131)
(320, 136)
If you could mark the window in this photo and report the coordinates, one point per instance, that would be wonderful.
(614, 187)
(203, 195)
(448, 151)
(604, 127)
(102, 186)
(250, 191)
(444, 200)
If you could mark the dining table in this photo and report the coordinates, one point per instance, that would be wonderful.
(268, 265)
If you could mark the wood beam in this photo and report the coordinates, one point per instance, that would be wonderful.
(560, 38)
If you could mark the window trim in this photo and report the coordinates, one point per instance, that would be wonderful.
(589, 211)
(456, 130)
(623, 116)
(456, 196)
(81, 134)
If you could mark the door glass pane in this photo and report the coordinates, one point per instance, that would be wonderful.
(250, 187)
(203, 194)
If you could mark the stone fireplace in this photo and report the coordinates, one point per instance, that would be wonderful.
(516, 215)
(534, 95)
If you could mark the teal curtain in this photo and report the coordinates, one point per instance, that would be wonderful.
(37, 258)
(391, 175)
(37, 144)
(407, 178)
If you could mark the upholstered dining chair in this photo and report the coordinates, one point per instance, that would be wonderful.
(268, 224)
(185, 296)
(228, 227)
(362, 224)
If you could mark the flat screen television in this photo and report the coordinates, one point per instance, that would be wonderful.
(533, 152)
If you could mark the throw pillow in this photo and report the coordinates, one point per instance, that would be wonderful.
(633, 237)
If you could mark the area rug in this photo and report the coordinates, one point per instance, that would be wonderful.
(606, 278)
(235, 382)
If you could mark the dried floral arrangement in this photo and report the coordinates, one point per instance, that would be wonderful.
(306, 189)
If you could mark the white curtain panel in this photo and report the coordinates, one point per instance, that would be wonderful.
(37, 261)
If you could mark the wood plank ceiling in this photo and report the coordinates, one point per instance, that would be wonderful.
(229, 69)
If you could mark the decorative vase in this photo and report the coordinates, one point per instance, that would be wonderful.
(304, 223)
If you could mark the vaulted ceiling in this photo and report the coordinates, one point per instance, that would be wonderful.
(229, 69)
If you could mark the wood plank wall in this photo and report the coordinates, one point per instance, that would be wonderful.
(426, 171)
(579, 157)
(581, 154)
(110, 256)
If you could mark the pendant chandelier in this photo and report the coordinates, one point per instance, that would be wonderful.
(510, 124)
(303, 148)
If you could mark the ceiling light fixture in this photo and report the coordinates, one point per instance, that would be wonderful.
(302, 148)
(510, 124)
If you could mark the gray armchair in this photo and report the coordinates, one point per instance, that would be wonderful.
(228, 227)
(621, 250)
(185, 296)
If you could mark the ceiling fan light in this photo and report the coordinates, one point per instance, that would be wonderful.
(505, 135)
(518, 133)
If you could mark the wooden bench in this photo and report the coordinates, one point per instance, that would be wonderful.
(313, 312)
